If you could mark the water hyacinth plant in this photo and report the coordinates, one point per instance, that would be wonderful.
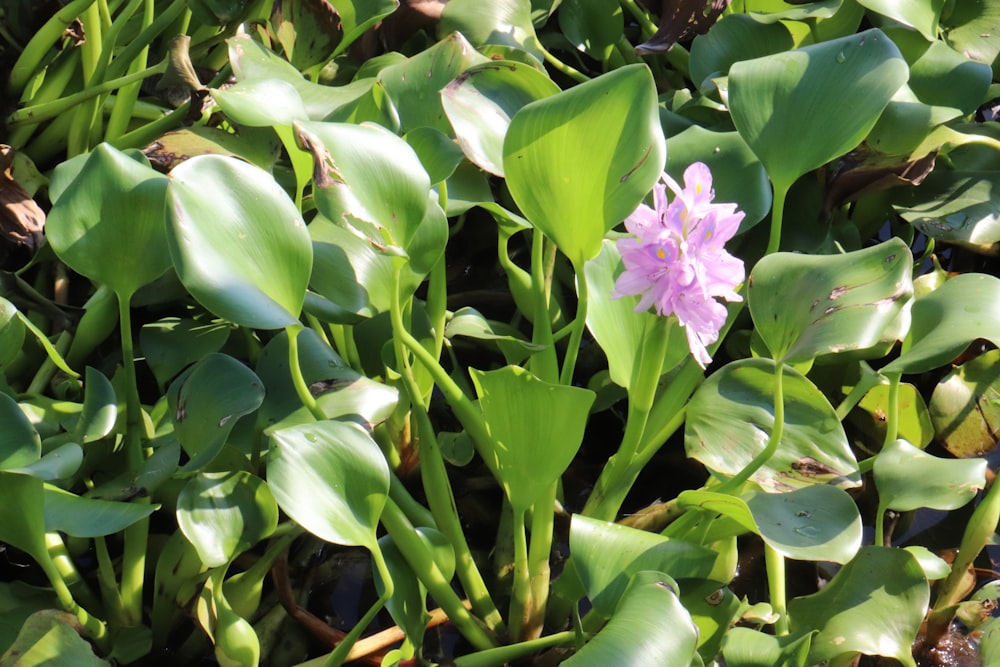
(386, 333)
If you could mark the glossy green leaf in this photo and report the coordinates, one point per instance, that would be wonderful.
(481, 101)
(733, 38)
(811, 523)
(50, 638)
(873, 605)
(965, 406)
(737, 174)
(100, 408)
(592, 26)
(713, 609)
(605, 572)
(730, 417)
(225, 513)
(60, 463)
(238, 242)
(108, 224)
(11, 332)
(437, 152)
(615, 325)
(955, 206)
(415, 84)
(236, 642)
(22, 514)
(536, 429)
(940, 75)
(20, 444)
(367, 178)
(945, 321)
(206, 402)
(174, 147)
(261, 103)
(970, 29)
(356, 16)
(171, 344)
(826, 96)
(331, 478)
(934, 566)
(923, 16)
(470, 323)
(349, 272)
(87, 517)
(743, 647)
(502, 22)
(579, 162)
(373, 106)
(636, 636)
(914, 420)
(850, 301)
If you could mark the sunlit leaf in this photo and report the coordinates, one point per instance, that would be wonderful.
(22, 514)
(238, 242)
(108, 224)
(914, 421)
(579, 162)
(356, 16)
(535, 427)
(956, 206)
(50, 638)
(331, 478)
(965, 406)
(88, 517)
(592, 26)
(605, 572)
(224, 514)
(873, 605)
(827, 96)
(923, 16)
(634, 637)
(811, 523)
(744, 647)
(945, 321)
(261, 103)
(481, 101)
(730, 417)
(908, 479)
(100, 408)
(970, 29)
(851, 301)
(502, 22)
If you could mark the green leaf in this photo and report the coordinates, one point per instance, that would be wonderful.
(261, 103)
(438, 153)
(50, 638)
(579, 162)
(592, 26)
(956, 206)
(481, 101)
(535, 427)
(737, 174)
(238, 243)
(171, 344)
(349, 271)
(940, 75)
(207, 400)
(615, 325)
(367, 178)
(908, 479)
(500, 23)
(108, 224)
(945, 321)
(965, 406)
(733, 38)
(851, 301)
(606, 556)
(88, 517)
(60, 463)
(914, 420)
(225, 513)
(11, 333)
(415, 84)
(331, 478)
(825, 96)
(970, 29)
(743, 647)
(873, 605)
(637, 635)
(730, 417)
(100, 408)
(356, 16)
(22, 514)
(923, 16)
(20, 444)
(811, 523)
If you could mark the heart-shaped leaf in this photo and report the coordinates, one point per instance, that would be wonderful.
(108, 223)
(908, 479)
(579, 162)
(826, 96)
(332, 479)
(225, 513)
(851, 301)
(873, 605)
(238, 242)
(535, 427)
(811, 523)
(206, 401)
(945, 321)
(730, 417)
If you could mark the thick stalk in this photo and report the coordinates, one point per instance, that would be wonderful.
(94, 627)
(33, 56)
(125, 99)
(520, 599)
(539, 552)
(775, 564)
(301, 388)
(892, 410)
(497, 657)
(777, 215)
(578, 325)
(543, 363)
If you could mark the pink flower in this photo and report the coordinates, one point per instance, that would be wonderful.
(676, 261)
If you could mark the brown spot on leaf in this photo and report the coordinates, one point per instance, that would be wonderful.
(680, 20)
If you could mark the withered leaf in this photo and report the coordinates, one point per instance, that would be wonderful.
(863, 172)
(682, 19)
(22, 221)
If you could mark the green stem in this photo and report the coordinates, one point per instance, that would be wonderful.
(67, 570)
(579, 324)
(562, 67)
(497, 657)
(295, 369)
(422, 562)
(544, 363)
(132, 50)
(539, 553)
(31, 59)
(95, 628)
(892, 410)
(85, 115)
(777, 215)
(775, 564)
(133, 408)
(520, 599)
(125, 99)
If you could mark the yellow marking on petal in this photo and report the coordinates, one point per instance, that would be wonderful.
(660, 253)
